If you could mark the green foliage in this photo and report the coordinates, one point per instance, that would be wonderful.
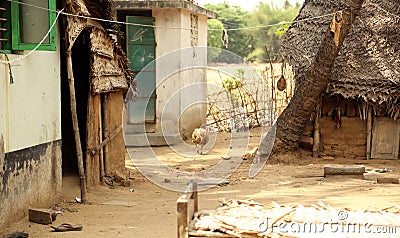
(249, 42)
(272, 36)
(234, 82)
(214, 39)
(282, 29)
(231, 83)
(239, 41)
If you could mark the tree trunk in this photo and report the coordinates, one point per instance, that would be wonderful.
(311, 84)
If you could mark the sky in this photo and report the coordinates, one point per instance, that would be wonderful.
(245, 4)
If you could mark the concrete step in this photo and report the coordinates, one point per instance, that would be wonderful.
(150, 139)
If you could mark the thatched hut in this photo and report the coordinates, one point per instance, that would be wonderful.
(100, 73)
(357, 115)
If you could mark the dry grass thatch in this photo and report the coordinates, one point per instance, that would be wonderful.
(110, 66)
(367, 68)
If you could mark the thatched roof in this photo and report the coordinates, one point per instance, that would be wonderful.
(368, 65)
(110, 67)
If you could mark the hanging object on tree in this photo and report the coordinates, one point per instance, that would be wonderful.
(131, 95)
(281, 83)
(224, 38)
(336, 25)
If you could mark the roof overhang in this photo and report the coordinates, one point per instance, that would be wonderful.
(181, 4)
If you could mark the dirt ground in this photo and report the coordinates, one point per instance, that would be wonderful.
(150, 210)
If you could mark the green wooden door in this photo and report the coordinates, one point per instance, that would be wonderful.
(141, 53)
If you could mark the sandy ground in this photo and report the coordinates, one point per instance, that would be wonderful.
(150, 210)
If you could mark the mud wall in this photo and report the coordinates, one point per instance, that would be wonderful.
(29, 177)
(350, 139)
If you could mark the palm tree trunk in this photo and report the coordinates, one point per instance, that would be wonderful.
(311, 84)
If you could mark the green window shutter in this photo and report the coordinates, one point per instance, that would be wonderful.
(5, 14)
(23, 37)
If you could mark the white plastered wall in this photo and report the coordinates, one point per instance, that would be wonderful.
(30, 108)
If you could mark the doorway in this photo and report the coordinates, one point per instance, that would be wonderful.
(81, 69)
(385, 138)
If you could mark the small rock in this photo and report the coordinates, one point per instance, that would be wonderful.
(388, 180)
(328, 158)
(42, 216)
(167, 180)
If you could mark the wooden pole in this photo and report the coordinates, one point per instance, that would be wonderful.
(100, 140)
(273, 84)
(316, 144)
(369, 132)
(75, 125)
(104, 106)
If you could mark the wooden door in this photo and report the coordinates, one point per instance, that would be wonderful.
(141, 53)
(385, 138)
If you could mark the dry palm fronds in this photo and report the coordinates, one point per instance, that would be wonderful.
(246, 218)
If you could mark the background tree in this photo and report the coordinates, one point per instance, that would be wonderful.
(271, 36)
(310, 84)
(246, 39)
(232, 17)
(214, 39)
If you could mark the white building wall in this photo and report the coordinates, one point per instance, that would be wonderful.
(3, 105)
(179, 67)
(194, 61)
(30, 108)
(168, 38)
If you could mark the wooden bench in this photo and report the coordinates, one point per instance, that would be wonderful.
(188, 213)
(187, 205)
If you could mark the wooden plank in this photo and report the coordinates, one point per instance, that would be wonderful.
(369, 133)
(385, 138)
(79, 153)
(109, 138)
(105, 124)
(187, 206)
(195, 198)
(116, 146)
(316, 145)
(101, 158)
(92, 138)
(183, 218)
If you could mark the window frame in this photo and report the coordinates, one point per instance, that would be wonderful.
(15, 34)
(6, 45)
